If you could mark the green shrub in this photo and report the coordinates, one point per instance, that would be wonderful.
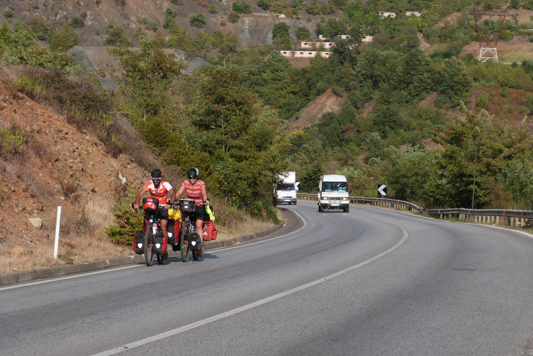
(64, 39)
(77, 22)
(264, 4)
(12, 139)
(234, 17)
(483, 100)
(242, 7)
(127, 221)
(8, 13)
(117, 37)
(197, 20)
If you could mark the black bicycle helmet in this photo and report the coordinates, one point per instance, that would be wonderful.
(156, 173)
(193, 173)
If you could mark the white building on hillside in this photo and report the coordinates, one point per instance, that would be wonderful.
(316, 44)
(413, 13)
(384, 14)
(304, 54)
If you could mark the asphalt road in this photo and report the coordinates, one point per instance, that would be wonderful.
(368, 282)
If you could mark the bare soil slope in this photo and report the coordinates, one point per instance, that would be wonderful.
(59, 166)
(327, 102)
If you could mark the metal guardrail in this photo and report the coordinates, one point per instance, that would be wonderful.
(483, 216)
(391, 203)
(488, 216)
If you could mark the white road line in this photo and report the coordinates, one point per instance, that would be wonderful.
(271, 239)
(251, 305)
(65, 278)
(141, 265)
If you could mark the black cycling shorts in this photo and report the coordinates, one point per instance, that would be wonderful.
(201, 214)
(163, 214)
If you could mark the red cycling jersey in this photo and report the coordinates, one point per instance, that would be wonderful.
(194, 191)
(161, 194)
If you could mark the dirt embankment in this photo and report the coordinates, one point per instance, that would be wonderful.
(57, 166)
(327, 102)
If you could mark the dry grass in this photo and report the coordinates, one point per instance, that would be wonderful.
(246, 226)
(98, 213)
(517, 57)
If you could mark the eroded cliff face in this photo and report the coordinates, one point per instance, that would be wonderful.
(57, 165)
(250, 29)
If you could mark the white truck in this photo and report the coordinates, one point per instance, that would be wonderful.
(287, 188)
(333, 193)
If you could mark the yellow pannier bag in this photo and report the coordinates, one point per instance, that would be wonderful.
(174, 214)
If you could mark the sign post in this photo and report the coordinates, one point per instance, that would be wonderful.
(382, 189)
(58, 228)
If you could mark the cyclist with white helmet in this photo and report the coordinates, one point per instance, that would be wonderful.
(195, 190)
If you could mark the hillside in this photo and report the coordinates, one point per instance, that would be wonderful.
(59, 166)
(255, 28)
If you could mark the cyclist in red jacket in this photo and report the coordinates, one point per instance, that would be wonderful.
(195, 190)
(162, 191)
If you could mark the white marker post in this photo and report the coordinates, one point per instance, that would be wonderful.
(58, 224)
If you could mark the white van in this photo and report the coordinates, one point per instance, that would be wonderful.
(333, 193)
(287, 188)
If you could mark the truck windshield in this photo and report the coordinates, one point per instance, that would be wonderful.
(335, 187)
(285, 187)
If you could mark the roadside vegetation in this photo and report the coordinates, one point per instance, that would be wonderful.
(411, 119)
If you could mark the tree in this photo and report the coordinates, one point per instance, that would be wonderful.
(197, 20)
(281, 36)
(455, 81)
(40, 28)
(234, 17)
(245, 137)
(303, 33)
(147, 74)
(117, 37)
(217, 40)
(64, 39)
(264, 4)
(242, 7)
(5, 34)
(201, 41)
(169, 17)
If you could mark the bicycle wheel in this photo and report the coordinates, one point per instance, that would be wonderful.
(149, 247)
(195, 251)
(184, 248)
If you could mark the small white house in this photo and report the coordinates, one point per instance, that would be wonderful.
(316, 44)
(385, 14)
(304, 54)
(367, 39)
(413, 13)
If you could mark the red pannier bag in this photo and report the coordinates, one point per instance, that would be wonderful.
(210, 232)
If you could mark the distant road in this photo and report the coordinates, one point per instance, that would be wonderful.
(368, 282)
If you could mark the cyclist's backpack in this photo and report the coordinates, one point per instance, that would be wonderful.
(138, 243)
(160, 245)
(210, 232)
(173, 229)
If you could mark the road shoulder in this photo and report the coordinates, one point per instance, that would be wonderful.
(290, 222)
